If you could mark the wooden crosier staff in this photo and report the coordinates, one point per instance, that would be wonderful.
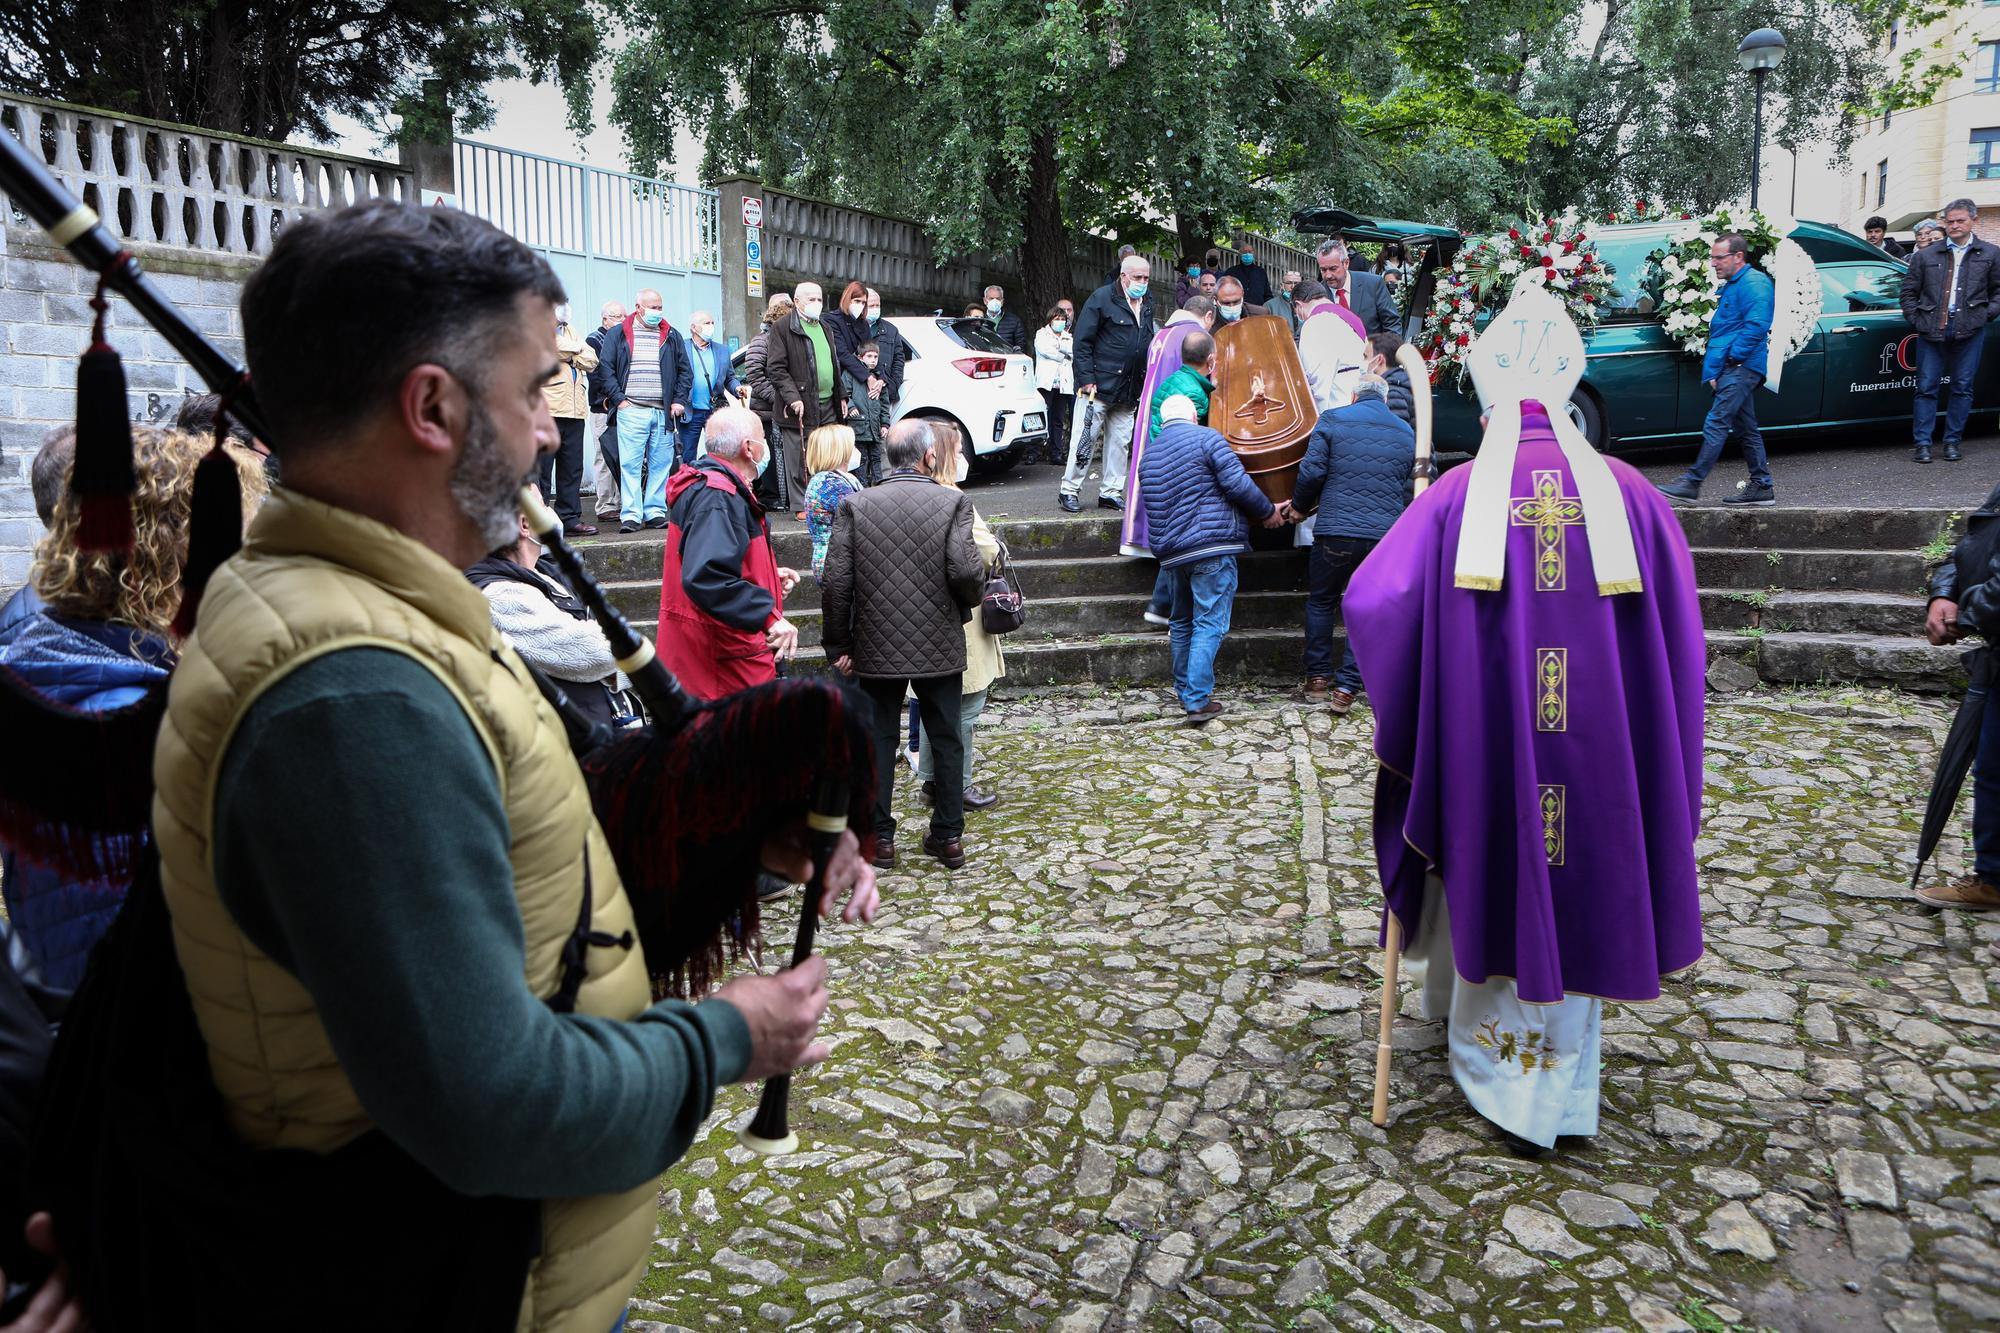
(1412, 362)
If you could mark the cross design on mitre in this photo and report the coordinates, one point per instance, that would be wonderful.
(1261, 406)
(1548, 511)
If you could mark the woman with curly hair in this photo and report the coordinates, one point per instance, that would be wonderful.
(100, 641)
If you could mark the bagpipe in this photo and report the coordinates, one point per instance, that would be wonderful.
(687, 801)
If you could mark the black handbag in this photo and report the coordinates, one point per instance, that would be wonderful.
(1002, 609)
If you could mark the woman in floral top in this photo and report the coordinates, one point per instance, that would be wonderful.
(831, 457)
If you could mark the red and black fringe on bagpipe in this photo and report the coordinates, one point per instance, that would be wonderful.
(695, 807)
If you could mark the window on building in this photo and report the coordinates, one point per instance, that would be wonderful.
(1886, 114)
(1985, 163)
(1986, 68)
(1882, 183)
(1895, 32)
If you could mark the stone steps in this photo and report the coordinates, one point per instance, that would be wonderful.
(1795, 596)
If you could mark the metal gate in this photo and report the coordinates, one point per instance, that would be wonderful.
(606, 233)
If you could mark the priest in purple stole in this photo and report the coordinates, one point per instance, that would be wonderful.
(1531, 641)
(1163, 358)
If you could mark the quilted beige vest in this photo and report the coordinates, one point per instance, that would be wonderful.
(312, 579)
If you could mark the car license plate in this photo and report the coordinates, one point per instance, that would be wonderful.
(1031, 424)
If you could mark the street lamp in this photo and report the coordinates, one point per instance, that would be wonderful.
(1759, 53)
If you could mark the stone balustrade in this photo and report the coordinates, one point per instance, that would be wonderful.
(171, 185)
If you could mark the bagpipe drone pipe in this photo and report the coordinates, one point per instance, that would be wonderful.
(688, 801)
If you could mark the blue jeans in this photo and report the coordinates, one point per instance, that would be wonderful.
(645, 449)
(1162, 602)
(689, 430)
(1937, 358)
(1733, 411)
(1204, 591)
(1334, 560)
(1986, 797)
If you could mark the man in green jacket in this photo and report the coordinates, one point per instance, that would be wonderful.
(1195, 378)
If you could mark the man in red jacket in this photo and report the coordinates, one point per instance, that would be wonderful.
(722, 591)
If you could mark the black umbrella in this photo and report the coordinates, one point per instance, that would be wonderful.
(1955, 760)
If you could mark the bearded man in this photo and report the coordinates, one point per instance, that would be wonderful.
(401, 929)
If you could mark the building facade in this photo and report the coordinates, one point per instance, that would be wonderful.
(1907, 165)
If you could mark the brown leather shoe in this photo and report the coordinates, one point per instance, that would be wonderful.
(1316, 688)
(1339, 701)
(950, 851)
(976, 799)
(885, 854)
(1968, 892)
(1202, 716)
(579, 530)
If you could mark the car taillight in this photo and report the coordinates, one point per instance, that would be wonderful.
(981, 367)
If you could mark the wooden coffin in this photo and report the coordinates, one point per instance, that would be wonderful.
(1262, 403)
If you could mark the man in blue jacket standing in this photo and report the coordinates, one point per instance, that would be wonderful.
(1739, 344)
(1356, 473)
(1199, 501)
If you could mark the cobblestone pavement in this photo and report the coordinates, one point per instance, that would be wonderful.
(1115, 1073)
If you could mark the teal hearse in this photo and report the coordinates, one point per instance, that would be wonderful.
(1641, 391)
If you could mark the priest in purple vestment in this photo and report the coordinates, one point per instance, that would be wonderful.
(1530, 638)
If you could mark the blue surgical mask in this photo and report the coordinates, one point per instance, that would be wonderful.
(1231, 311)
(874, 316)
(1194, 270)
(1058, 324)
(651, 318)
(764, 461)
(1136, 291)
(1249, 257)
(993, 307)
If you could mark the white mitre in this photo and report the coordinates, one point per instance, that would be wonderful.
(1531, 350)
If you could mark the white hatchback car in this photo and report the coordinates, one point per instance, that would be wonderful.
(959, 372)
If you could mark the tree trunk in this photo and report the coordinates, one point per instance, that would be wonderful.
(1045, 275)
(1195, 234)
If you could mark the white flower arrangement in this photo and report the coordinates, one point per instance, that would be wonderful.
(1690, 290)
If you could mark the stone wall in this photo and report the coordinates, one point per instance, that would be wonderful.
(45, 320)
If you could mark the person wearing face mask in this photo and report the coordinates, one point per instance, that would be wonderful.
(1003, 323)
(722, 591)
(1232, 303)
(1112, 335)
(640, 373)
(708, 380)
(887, 381)
(847, 321)
(1249, 273)
(802, 368)
(1055, 376)
(1280, 302)
(1185, 283)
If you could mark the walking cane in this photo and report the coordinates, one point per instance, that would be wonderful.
(1412, 362)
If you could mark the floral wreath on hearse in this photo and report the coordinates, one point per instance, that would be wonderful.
(1555, 252)
(1561, 253)
(1689, 290)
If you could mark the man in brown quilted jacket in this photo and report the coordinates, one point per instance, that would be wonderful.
(900, 580)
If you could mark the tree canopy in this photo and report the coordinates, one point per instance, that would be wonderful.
(274, 69)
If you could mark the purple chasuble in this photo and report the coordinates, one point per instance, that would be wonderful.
(1541, 745)
(1163, 358)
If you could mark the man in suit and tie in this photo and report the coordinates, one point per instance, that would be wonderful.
(1363, 293)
